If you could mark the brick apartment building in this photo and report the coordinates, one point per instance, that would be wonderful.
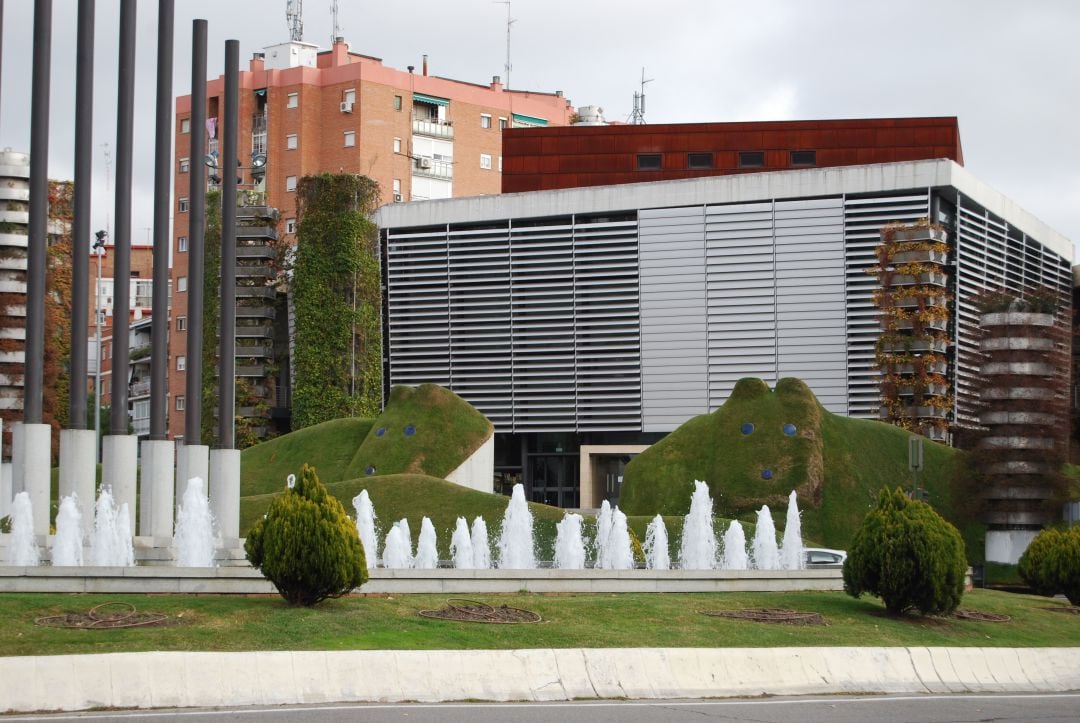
(418, 135)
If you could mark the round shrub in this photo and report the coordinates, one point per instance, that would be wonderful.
(1034, 567)
(306, 545)
(1051, 563)
(906, 554)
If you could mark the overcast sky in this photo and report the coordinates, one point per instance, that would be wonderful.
(1009, 70)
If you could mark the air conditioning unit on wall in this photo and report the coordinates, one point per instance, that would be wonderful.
(423, 163)
(397, 197)
(346, 106)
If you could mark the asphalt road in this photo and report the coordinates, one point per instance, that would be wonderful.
(1063, 707)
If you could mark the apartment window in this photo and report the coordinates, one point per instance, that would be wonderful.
(699, 160)
(180, 403)
(500, 164)
(397, 145)
(350, 96)
(290, 184)
(183, 205)
(751, 159)
(290, 142)
(181, 363)
(290, 225)
(185, 125)
(648, 162)
(181, 323)
(181, 244)
(485, 120)
(803, 158)
(181, 283)
(397, 102)
(485, 161)
(293, 100)
(185, 165)
(502, 124)
(350, 139)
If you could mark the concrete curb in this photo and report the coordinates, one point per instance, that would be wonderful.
(181, 679)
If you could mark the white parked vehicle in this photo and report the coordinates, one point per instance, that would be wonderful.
(820, 556)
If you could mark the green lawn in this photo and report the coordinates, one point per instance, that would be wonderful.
(220, 623)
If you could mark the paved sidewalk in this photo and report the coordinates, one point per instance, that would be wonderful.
(179, 679)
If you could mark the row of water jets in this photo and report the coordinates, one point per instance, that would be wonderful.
(109, 540)
(699, 548)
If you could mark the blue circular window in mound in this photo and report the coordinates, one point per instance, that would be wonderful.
(766, 474)
(380, 431)
(410, 430)
(747, 428)
(370, 470)
(789, 429)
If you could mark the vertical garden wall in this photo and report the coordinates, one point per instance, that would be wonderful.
(911, 351)
(336, 297)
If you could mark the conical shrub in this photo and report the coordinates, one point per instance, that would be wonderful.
(908, 555)
(306, 545)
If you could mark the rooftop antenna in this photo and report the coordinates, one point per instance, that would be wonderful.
(637, 116)
(509, 22)
(335, 33)
(294, 17)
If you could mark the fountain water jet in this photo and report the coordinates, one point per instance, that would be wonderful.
(735, 547)
(516, 537)
(569, 544)
(111, 544)
(22, 549)
(657, 556)
(697, 547)
(766, 554)
(365, 527)
(791, 550)
(67, 548)
(461, 550)
(194, 536)
(397, 550)
(427, 552)
(618, 553)
(481, 548)
(603, 529)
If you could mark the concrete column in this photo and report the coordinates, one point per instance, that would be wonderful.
(78, 468)
(156, 496)
(119, 466)
(30, 454)
(225, 491)
(192, 460)
(6, 493)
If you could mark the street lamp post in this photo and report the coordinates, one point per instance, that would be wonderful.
(99, 249)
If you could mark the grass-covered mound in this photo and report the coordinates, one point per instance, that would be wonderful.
(836, 464)
(425, 430)
(329, 447)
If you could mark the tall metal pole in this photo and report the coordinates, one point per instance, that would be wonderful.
(159, 322)
(39, 214)
(125, 107)
(227, 377)
(80, 239)
(98, 251)
(1, 45)
(196, 236)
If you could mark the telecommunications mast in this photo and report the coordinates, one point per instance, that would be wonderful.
(294, 17)
(637, 116)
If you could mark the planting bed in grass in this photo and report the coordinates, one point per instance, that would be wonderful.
(209, 623)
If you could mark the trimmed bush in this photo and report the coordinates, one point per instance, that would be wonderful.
(908, 555)
(306, 545)
(1051, 563)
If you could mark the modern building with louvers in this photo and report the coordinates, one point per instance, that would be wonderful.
(589, 322)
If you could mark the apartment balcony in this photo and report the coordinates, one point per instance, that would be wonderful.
(935, 324)
(139, 389)
(256, 231)
(906, 345)
(916, 412)
(255, 251)
(256, 351)
(930, 278)
(256, 292)
(256, 272)
(262, 331)
(258, 370)
(255, 312)
(141, 427)
(258, 133)
(433, 168)
(433, 128)
(919, 257)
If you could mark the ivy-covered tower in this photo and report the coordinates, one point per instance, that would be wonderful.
(911, 351)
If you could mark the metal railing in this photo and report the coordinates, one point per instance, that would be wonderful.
(434, 128)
